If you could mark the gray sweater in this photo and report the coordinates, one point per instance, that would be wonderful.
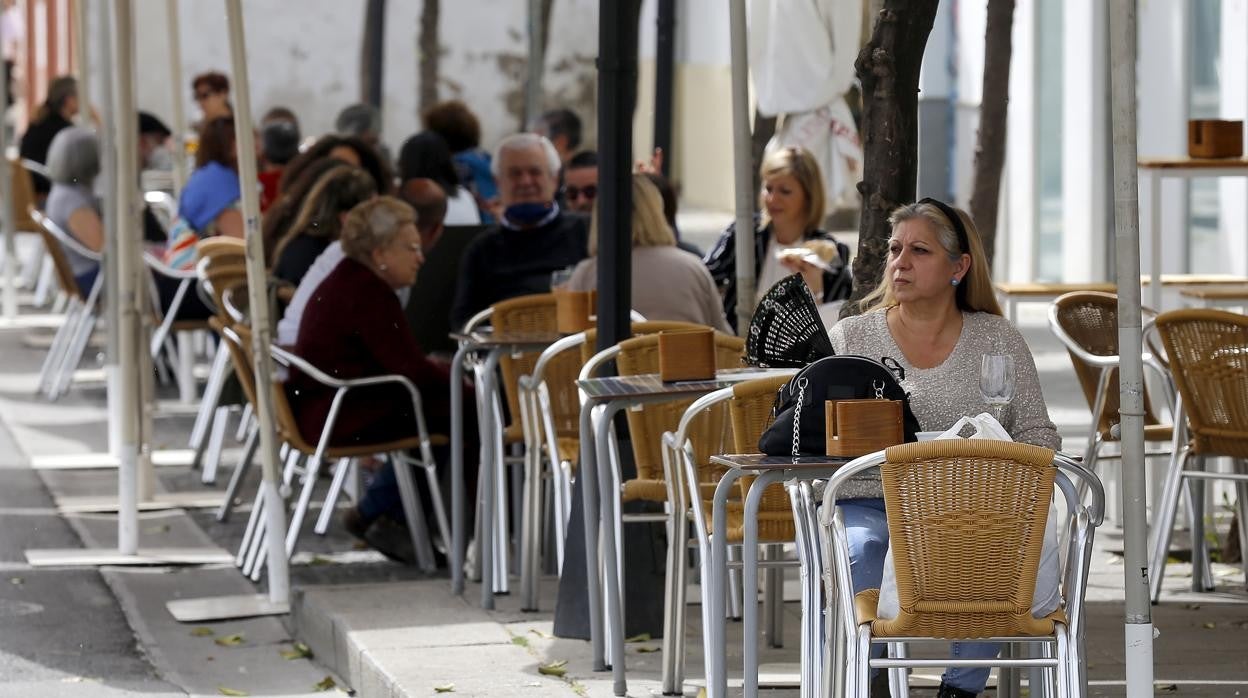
(942, 395)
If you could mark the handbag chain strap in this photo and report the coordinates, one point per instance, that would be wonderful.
(879, 389)
(797, 414)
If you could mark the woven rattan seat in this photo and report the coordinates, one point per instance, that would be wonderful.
(966, 527)
(534, 314)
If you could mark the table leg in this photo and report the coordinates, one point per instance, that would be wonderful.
(487, 471)
(717, 645)
(530, 537)
(457, 469)
(587, 474)
(749, 580)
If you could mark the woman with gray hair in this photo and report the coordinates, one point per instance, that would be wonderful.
(354, 327)
(73, 164)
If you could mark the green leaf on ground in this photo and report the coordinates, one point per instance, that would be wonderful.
(647, 649)
(230, 640)
(644, 637)
(444, 688)
(320, 560)
(539, 633)
(520, 641)
(297, 651)
(201, 631)
(326, 684)
(231, 691)
(558, 668)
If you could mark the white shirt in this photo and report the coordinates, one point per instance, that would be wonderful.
(288, 328)
(461, 209)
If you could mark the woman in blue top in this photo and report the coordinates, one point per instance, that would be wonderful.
(210, 200)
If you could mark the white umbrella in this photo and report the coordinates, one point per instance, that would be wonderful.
(743, 166)
(179, 114)
(1139, 623)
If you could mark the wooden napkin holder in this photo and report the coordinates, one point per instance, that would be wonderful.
(858, 427)
(574, 310)
(686, 355)
(1213, 138)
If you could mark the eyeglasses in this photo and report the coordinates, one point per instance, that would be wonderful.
(589, 191)
(201, 96)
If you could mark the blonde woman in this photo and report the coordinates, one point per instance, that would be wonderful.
(668, 283)
(936, 314)
(791, 210)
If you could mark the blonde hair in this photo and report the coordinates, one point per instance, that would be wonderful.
(974, 292)
(335, 191)
(650, 228)
(801, 165)
(373, 225)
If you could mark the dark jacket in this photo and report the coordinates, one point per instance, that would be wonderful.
(503, 263)
(36, 142)
(722, 262)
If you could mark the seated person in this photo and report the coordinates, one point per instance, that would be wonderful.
(73, 164)
(349, 149)
(461, 129)
(667, 282)
(533, 237)
(54, 115)
(580, 182)
(279, 144)
(792, 209)
(936, 313)
(355, 328)
(426, 156)
(319, 222)
(209, 204)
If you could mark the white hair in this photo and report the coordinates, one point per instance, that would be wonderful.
(525, 141)
(74, 156)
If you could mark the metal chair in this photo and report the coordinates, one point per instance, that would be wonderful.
(954, 506)
(81, 312)
(1086, 323)
(1208, 353)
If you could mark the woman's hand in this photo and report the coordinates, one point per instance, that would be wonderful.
(812, 274)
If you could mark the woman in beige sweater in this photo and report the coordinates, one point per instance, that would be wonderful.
(668, 283)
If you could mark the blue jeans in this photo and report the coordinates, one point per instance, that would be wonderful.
(382, 495)
(866, 528)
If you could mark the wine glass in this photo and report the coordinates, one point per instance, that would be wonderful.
(996, 381)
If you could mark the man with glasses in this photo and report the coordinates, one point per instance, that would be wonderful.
(580, 182)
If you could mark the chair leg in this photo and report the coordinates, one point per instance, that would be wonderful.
(73, 352)
(439, 506)
(255, 521)
(236, 478)
(1163, 520)
(310, 475)
(186, 368)
(414, 513)
(56, 349)
(1241, 513)
(899, 679)
(734, 583)
(341, 469)
(243, 421)
(1201, 581)
(207, 408)
(773, 597)
(212, 456)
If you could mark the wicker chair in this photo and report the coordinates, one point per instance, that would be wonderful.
(1208, 352)
(1086, 323)
(992, 522)
(322, 451)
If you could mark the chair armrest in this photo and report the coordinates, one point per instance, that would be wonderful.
(535, 378)
(158, 265)
(1076, 470)
(64, 238)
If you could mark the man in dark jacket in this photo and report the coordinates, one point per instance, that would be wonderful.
(534, 237)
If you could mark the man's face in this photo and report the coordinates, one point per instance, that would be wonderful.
(525, 176)
(149, 143)
(580, 188)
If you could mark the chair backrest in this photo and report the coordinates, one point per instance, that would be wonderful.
(23, 197)
(1208, 351)
(752, 411)
(523, 314)
(283, 414)
(1089, 321)
(966, 521)
(51, 234)
(589, 348)
(222, 264)
(646, 426)
(239, 356)
(559, 374)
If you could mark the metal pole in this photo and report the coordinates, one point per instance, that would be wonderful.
(1139, 622)
(179, 110)
(108, 175)
(664, 68)
(743, 175)
(617, 85)
(533, 84)
(258, 302)
(78, 22)
(128, 344)
(7, 212)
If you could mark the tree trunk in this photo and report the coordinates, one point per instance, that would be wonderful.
(372, 53)
(990, 148)
(888, 68)
(430, 52)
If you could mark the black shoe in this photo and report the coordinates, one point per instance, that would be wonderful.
(392, 540)
(355, 524)
(879, 685)
(947, 691)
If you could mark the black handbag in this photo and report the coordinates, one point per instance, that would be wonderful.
(798, 429)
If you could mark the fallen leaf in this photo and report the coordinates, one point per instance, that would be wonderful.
(162, 528)
(702, 692)
(297, 651)
(16, 581)
(1170, 687)
(230, 640)
(319, 560)
(644, 637)
(445, 688)
(1192, 606)
(558, 668)
(231, 691)
(201, 632)
(647, 649)
(539, 633)
(520, 641)
(326, 684)
(1209, 626)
